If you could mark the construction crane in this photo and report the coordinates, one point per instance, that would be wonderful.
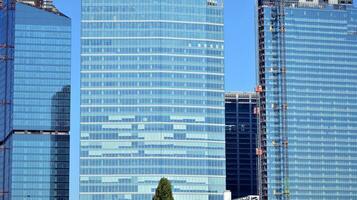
(279, 106)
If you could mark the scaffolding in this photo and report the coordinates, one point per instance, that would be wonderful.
(261, 138)
(277, 76)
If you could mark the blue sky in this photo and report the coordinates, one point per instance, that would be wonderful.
(240, 62)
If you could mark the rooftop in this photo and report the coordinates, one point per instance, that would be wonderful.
(306, 3)
(43, 4)
(234, 95)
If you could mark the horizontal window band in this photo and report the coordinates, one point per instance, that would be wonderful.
(138, 106)
(138, 71)
(170, 89)
(150, 21)
(150, 38)
(173, 55)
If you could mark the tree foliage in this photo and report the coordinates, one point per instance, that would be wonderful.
(164, 190)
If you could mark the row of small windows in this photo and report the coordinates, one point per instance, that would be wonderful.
(150, 101)
(316, 46)
(154, 84)
(156, 58)
(182, 51)
(312, 69)
(142, 146)
(134, 189)
(319, 107)
(44, 61)
(32, 68)
(118, 75)
(152, 127)
(43, 48)
(29, 151)
(309, 85)
(41, 165)
(39, 186)
(151, 162)
(152, 43)
(142, 26)
(42, 54)
(141, 153)
(153, 92)
(160, 67)
(42, 34)
(134, 34)
(166, 8)
(138, 109)
(331, 14)
(155, 16)
(45, 124)
(44, 41)
(187, 171)
(101, 135)
(47, 82)
(135, 100)
(29, 74)
(42, 172)
(111, 8)
(32, 28)
(304, 57)
(155, 119)
(31, 178)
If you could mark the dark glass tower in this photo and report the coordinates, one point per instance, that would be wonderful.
(241, 131)
(35, 43)
(308, 99)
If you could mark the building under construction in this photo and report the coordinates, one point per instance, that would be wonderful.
(307, 108)
(35, 65)
(241, 134)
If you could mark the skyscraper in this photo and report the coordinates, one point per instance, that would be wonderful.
(241, 132)
(152, 99)
(35, 44)
(307, 87)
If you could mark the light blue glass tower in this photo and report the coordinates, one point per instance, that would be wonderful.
(308, 100)
(152, 99)
(35, 64)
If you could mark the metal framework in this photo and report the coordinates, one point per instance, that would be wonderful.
(277, 75)
(6, 46)
(7, 8)
(260, 111)
(7, 12)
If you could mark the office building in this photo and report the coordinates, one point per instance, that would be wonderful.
(152, 99)
(35, 62)
(308, 91)
(241, 132)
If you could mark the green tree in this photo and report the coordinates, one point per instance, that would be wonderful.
(163, 190)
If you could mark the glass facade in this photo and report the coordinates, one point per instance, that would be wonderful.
(35, 102)
(321, 72)
(152, 99)
(241, 132)
(41, 76)
(7, 40)
(39, 167)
